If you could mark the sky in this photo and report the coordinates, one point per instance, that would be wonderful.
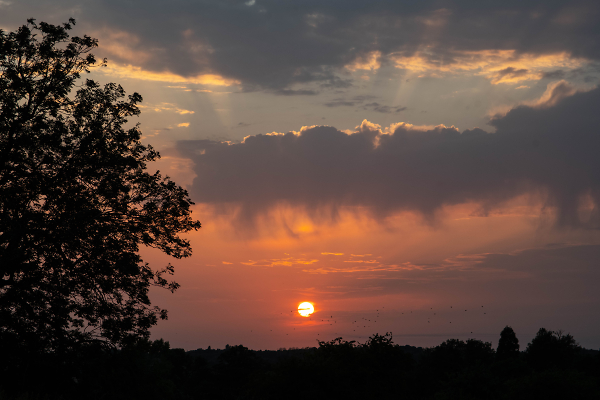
(426, 168)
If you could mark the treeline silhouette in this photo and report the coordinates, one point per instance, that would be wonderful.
(552, 366)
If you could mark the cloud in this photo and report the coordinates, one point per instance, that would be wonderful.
(285, 262)
(555, 92)
(510, 74)
(165, 107)
(370, 61)
(129, 71)
(340, 103)
(383, 108)
(555, 74)
(291, 92)
(548, 151)
(350, 101)
(563, 276)
(499, 66)
(360, 101)
(272, 45)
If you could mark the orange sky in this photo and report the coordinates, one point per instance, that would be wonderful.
(404, 273)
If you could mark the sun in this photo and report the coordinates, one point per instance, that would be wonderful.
(306, 309)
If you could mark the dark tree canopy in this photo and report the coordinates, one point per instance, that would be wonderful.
(76, 201)
(551, 349)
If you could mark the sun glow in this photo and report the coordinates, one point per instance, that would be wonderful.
(306, 309)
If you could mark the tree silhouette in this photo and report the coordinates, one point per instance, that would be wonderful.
(508, 345)
(76, 201)
(551, 349)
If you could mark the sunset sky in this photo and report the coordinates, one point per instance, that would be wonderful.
(426, 168)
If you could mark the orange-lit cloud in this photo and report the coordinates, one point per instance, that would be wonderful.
(554, 93)
(129, 71)
(168, 107)
(369, 62)
(286, 262)
(124, 45)
(499, 66)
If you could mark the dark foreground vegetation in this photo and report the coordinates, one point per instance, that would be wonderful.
(552, 366)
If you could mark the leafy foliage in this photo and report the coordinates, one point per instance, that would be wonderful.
(76, 201)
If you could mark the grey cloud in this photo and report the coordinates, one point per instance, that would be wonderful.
(550, 267)
(290, 92)
(349, 102)
(557, 74)
(549, 262)
(337, 83)
(340, 103)
(512, 72)
(551, 150)
(383, 108)
(273, 44)
(359, 100)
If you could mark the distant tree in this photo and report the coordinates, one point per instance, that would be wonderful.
(76, 201)
(508, 345)
(478, 352)
(238, 357)
(551, 349)
(336, 346)
(454, 354)
(379, 343)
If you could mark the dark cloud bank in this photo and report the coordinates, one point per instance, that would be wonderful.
(272, 44)
(549, 150)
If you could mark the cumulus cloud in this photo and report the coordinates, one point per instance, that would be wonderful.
(551, 151)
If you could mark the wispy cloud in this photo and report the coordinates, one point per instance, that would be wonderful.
(128, 71)
(168, 107)
(360, 101)
(285, 262)
(499, 66)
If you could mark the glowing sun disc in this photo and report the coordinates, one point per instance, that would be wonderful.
(305, 309)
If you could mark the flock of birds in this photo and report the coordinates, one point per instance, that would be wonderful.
(369, 319)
